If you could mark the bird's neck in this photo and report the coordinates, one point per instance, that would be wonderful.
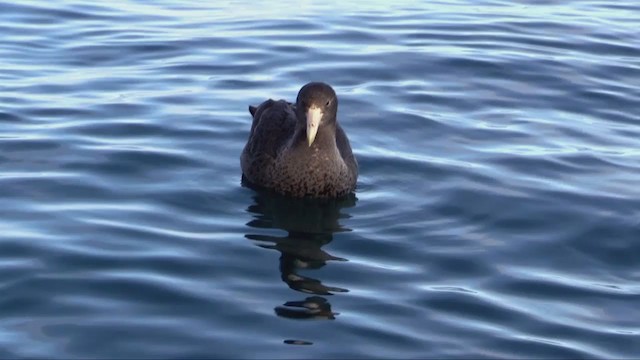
(325, 138)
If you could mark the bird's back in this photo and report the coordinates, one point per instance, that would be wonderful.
(272, 128)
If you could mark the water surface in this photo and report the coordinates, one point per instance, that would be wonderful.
(497, 213)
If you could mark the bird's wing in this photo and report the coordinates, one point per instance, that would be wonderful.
(345, 150)
(273, 126)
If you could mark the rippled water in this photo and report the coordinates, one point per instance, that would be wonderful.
(497, 211)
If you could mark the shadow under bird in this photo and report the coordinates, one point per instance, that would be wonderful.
(299, 149)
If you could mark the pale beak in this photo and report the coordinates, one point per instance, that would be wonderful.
(314, 115)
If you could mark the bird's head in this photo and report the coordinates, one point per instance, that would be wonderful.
(316, 105)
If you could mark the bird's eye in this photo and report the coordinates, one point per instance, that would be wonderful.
(328, 103)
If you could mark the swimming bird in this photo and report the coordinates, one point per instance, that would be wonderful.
(300, 149)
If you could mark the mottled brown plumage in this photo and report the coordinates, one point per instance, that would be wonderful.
(300, 149)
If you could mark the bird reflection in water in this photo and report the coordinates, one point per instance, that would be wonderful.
(310, 224)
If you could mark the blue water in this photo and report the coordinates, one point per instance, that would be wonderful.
(497, 213)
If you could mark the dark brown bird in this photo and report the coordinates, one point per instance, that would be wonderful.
(299, 149)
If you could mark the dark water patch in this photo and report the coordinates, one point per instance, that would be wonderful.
(613, 246)
(110, 54)
(45, 188)
(48, 15)
(8, 117)
(48, 113)
(135, 162)
(275, 25)
(124, 110)
(543, 287)
(207, 69)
